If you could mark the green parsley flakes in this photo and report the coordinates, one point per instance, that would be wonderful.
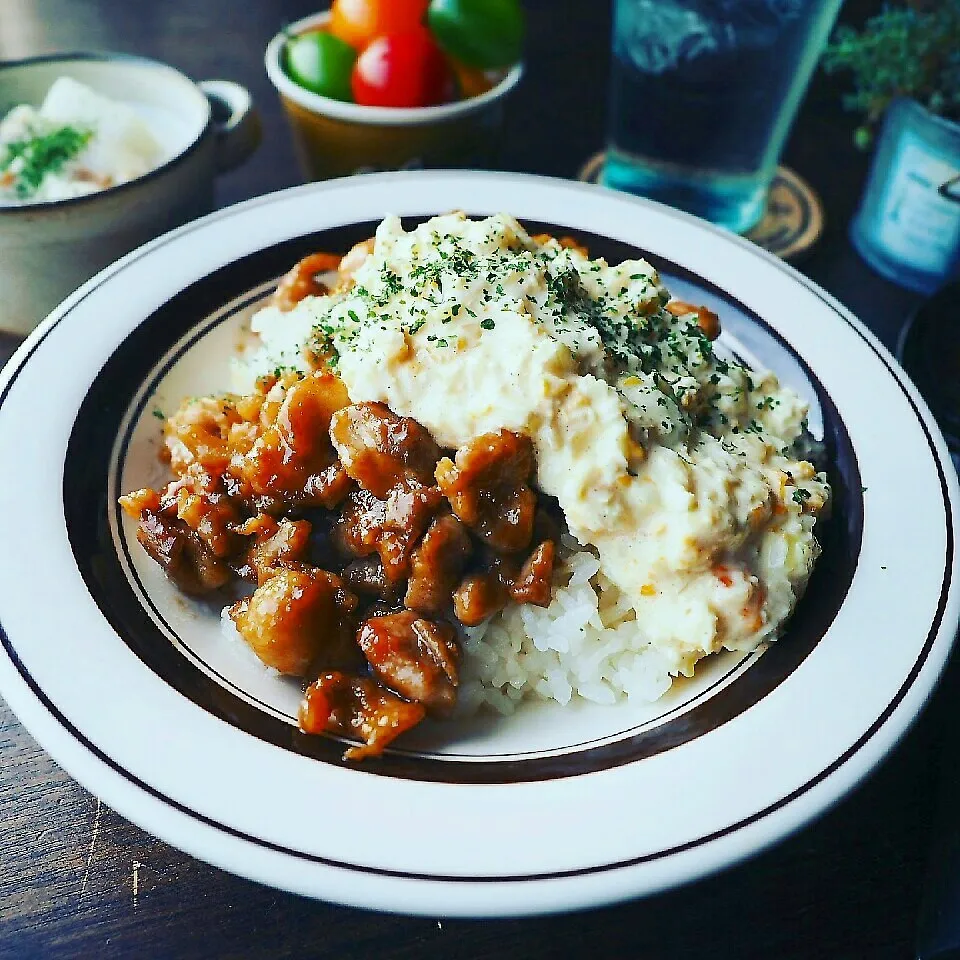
(30, 160)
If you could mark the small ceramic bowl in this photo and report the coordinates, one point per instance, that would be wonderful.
(334, 138)
(49, 249)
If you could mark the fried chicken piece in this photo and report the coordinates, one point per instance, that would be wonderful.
(303, 280)
(436, 565)
(479, 596)
(393, 460)
(135, 502)
(357, 707)
(202, 502)
(185, 558)
(532, 584)
(201, 431)
(293, 459)
(360, 526)
(277, 545)
(414, 657)
(380, 450)
(567, 243)
(708, 321)
(368, 578)
(488, 487)
(189, 529)
(299, 620)
(390, 528)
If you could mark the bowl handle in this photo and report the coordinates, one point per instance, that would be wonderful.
(236, 123)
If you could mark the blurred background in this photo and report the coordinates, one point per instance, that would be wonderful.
(556, 120)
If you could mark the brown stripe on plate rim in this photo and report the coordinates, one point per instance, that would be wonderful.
(726, 831)
(112, 590)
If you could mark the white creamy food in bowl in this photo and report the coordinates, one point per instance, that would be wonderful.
(76, 143)
(682, 475)
(98, 154)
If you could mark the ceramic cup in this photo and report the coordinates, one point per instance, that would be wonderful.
(49, 249)
(335, 139)
(908, 224)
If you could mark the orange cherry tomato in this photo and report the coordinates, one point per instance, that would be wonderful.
(358, 22)
(471, 81)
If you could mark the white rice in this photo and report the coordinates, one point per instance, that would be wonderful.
(586, 643)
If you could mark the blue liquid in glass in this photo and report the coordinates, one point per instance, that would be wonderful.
(703, 93)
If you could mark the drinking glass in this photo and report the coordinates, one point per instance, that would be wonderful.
(702, 96)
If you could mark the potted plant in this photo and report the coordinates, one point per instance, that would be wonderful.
(906, 72)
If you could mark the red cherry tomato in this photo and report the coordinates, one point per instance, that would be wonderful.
(358, 22)
(403, 70)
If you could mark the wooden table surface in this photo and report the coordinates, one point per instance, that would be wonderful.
(76, 879)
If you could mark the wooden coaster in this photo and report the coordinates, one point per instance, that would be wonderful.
(791, 224)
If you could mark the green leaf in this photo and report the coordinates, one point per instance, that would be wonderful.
(901, 52)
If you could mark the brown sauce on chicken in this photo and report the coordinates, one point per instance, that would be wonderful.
(370, 548)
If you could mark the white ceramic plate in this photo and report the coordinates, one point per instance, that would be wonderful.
(131, 688)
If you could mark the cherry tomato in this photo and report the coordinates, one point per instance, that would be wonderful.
(403, 70)
(321, 63)
(479, 33)
(358, 22)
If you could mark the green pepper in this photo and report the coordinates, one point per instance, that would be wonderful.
(321, 63)
(479, 33)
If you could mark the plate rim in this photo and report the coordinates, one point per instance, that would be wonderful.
(884, 727)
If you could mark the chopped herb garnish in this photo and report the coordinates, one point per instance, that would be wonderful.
(32, 159)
